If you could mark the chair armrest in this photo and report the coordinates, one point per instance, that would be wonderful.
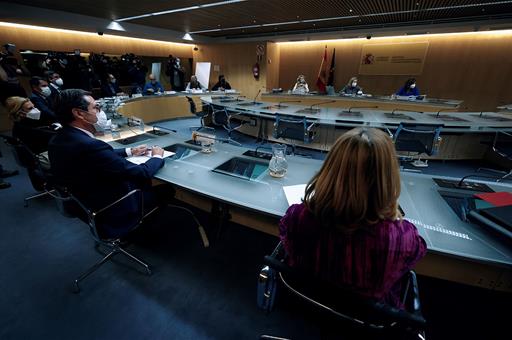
(119, 200)
(419, 131)
(411, 293)
(310, 127)
(64, 195)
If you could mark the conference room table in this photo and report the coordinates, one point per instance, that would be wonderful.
(465, 135)
(458, 251)
(410, 103)
(165, 106)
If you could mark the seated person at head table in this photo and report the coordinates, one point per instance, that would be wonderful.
(152, 86)
(110, 88)
(300, 87)
(352, 88)
(41, 98)
(194, 84)
(349, 230)
(96, 173)
(221, 85)
(27, 128)
(409, 88)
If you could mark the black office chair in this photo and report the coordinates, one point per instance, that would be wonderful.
(420, 138)
(27, 159)
(293, 128)
(200, 114)
(502, 146)
(222, 117)
(350, 315)
(72, 207)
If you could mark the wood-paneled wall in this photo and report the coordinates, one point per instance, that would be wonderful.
(476, 68)
(273, 63)
(54, 40)
(235, 62)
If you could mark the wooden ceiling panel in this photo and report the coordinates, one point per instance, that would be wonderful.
(354, 13)
(110, 9)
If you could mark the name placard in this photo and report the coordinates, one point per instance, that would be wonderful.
(393, 58)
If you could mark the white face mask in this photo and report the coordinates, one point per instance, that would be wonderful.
(354, 84)
(103, 123)
(59, 82)
(412, 86)
(45, 91)
(34, 114)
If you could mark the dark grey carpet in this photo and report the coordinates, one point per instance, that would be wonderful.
(194, 292)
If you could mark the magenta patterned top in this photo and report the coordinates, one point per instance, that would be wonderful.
(370, 261)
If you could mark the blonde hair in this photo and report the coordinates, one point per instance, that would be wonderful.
(14, 106)
(359, 182)
(351, 80)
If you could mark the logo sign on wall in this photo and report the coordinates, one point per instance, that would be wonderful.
(393, 58)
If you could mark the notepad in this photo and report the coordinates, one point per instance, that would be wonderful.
(294, 193)
(144, 159)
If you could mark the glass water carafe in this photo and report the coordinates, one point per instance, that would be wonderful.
(278, 164)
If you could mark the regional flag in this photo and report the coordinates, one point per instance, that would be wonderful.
(322, 73)
(330, 81)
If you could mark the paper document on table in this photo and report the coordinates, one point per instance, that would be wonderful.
(294, 193)
(144, 159)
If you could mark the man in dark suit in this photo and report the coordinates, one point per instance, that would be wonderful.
(96, 173)
(41, 98)
(111, 87)
(55, 83)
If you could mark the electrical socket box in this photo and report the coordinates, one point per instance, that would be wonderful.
(252, 122)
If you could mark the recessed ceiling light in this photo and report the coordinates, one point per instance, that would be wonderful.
(115, 26)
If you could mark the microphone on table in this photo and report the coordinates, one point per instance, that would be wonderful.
(321, 103)
(257, 94)
(288, 101)
(459, 184)
(442, 110)
(360, 107)
(394, 110)
(163, 128)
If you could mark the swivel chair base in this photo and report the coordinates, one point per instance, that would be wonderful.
(40, 194)
(115, 248)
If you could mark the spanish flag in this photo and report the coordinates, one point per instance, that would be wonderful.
(322, 73)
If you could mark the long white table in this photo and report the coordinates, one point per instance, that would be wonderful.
(457, 251)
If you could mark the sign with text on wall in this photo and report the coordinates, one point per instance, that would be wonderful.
(393, 58)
